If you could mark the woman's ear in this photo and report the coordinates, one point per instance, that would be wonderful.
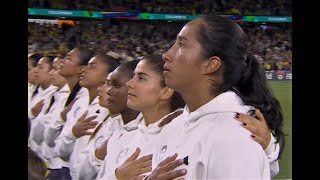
(166, 93)
(212, 65)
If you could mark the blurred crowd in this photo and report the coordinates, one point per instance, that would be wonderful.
(270, 43)
(243, 7)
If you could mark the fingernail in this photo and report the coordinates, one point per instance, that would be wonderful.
(175, 154)
(237, 115)
(184, 171)
(253, 136)
(181, 161)
(244, 124)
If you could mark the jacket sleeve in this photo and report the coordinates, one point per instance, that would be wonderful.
(38, 134)
(233, 155)
(53, 130)
(104, 172)
(30, 115)
(272, 153)
(90, 165)
(66, 140)
(54, 126)
(65, 143)
(43, 119)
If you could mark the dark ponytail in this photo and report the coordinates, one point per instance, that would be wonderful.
(242, 73)
(36, 90)
(254, 90)
(73, 94)
(51, 103)
(34, 58)
(176, 101)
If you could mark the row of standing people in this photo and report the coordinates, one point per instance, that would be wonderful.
(180, 115)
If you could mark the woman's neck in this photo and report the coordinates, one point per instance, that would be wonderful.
(72, 81)
(129, 115)
(45, 86)
(153, 115)
(61, 86)
(93, 93)
(194, 102)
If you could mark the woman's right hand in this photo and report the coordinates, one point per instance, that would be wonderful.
(37, 108)
(83, 125)
(101, 151)
(67, 109)
(165, 169)
(133, 168)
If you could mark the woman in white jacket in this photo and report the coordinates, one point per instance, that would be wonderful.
(147, 93)
(41, 100)
(112, 95)
(77, 137)
(209, 65)
(55, 106)
(74, 107)
(45, 90)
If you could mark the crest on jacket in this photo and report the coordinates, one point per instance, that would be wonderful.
(122, 154)
(163, 151)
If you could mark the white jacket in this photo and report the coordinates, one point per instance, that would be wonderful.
(131, 126)
(64, 146)
(89, 165)
(145, 138)
(43, 123)
(82, 142)
(53, 129)
(216, 144)
(41, 95)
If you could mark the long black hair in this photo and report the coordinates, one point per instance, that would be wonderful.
(34, 59)
(242, 73)
(111, 61)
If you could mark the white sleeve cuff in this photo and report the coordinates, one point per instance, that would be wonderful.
(112, 176)
(70, 136)
(60, 120)
(95, 160)
(30, 115)
(272, 145)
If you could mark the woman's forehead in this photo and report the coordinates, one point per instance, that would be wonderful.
(120, 74)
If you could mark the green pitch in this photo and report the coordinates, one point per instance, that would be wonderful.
(283, 91)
